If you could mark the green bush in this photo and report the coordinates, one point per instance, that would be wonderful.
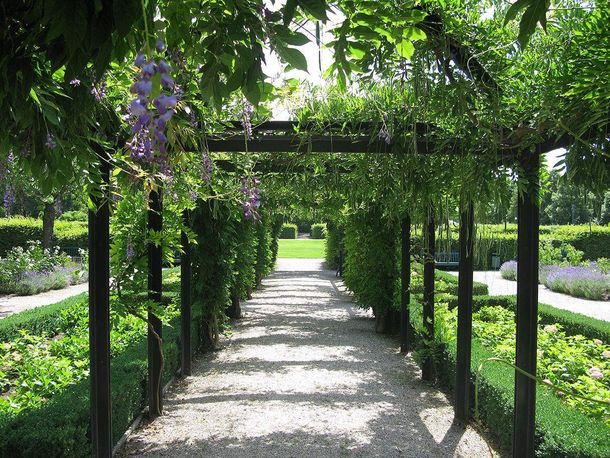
(74, 215)
(18, 231)
(573, 323)
(561, 431)
(334, 245)
(40, 321)
(371, 265)
(289, 231)
(318, 231)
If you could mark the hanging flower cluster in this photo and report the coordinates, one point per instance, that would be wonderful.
(385, 135)
(246, 120)
(207, 166)
(250, 190)
(98, 90)
(149, 143)
(50, 143)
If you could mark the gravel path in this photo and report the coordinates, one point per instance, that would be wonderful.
(501, 287)
(304, 375)
(15, 304)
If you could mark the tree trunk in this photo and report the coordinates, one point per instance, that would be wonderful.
(48, 223)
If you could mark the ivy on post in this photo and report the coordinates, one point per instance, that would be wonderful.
(528, 221)
(427, 372)
(405, 283)
(155, 281)
(99, 312)
(464, 314)
(185, 300)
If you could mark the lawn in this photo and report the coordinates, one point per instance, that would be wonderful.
(301, 248)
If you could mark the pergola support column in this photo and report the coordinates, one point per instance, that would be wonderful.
(155, 285)
(528, 221)
(464, 314)
(185, 300)
(405, 283)
(428, 305)
(99, 315)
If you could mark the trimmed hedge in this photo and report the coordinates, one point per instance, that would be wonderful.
(334, 245)
(40, 321)
(61, 426)
(318, 231)
(573, 323)
(561, 431)
(289, 231)
(18, 231)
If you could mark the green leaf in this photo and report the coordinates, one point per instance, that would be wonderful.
(289, 10)
(533, 14)
(294, 57)
(514, 10)
(317, 8)
(413, 34)
(405, 49)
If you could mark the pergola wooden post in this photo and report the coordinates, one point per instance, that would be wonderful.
(427, 371)
(155, 287)
(526, 316)
(185, 301)
(405, 283)
(464, 314)
(99, 314)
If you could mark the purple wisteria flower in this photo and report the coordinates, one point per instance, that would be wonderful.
(251, 203)
(75, 82)
(130, 252)
(149, 142)
(99, 91)
(385, 135)
(50, 143)
(9, 199)
(246, 120)
(207, 166)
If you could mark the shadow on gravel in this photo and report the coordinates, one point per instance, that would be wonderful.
(306, 377)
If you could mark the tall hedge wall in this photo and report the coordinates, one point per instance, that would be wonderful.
(18, 231)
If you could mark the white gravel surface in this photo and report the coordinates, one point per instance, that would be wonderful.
(15, 304)
(304, 375)
(501, 287)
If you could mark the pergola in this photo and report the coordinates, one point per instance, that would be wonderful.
(287, 137)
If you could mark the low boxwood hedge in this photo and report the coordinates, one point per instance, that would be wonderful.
(573, 323)
(18, 231)
(289, 231)
(318, 231)
(61, 426)
(561, 431)
(40, 321)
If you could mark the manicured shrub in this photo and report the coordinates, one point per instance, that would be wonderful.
(561, 431)
(371, 265)
(334, 245)
(289, 231)
(318, 231)
(18, 231)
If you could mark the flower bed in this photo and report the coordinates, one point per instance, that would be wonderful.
(33, 270)
(588, 281)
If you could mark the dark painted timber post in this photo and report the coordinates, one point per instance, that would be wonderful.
(99, 314)
(155, 223)
(528, 221)
(405, 283)
(185, 301)
(427, 371)
(464, 314)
